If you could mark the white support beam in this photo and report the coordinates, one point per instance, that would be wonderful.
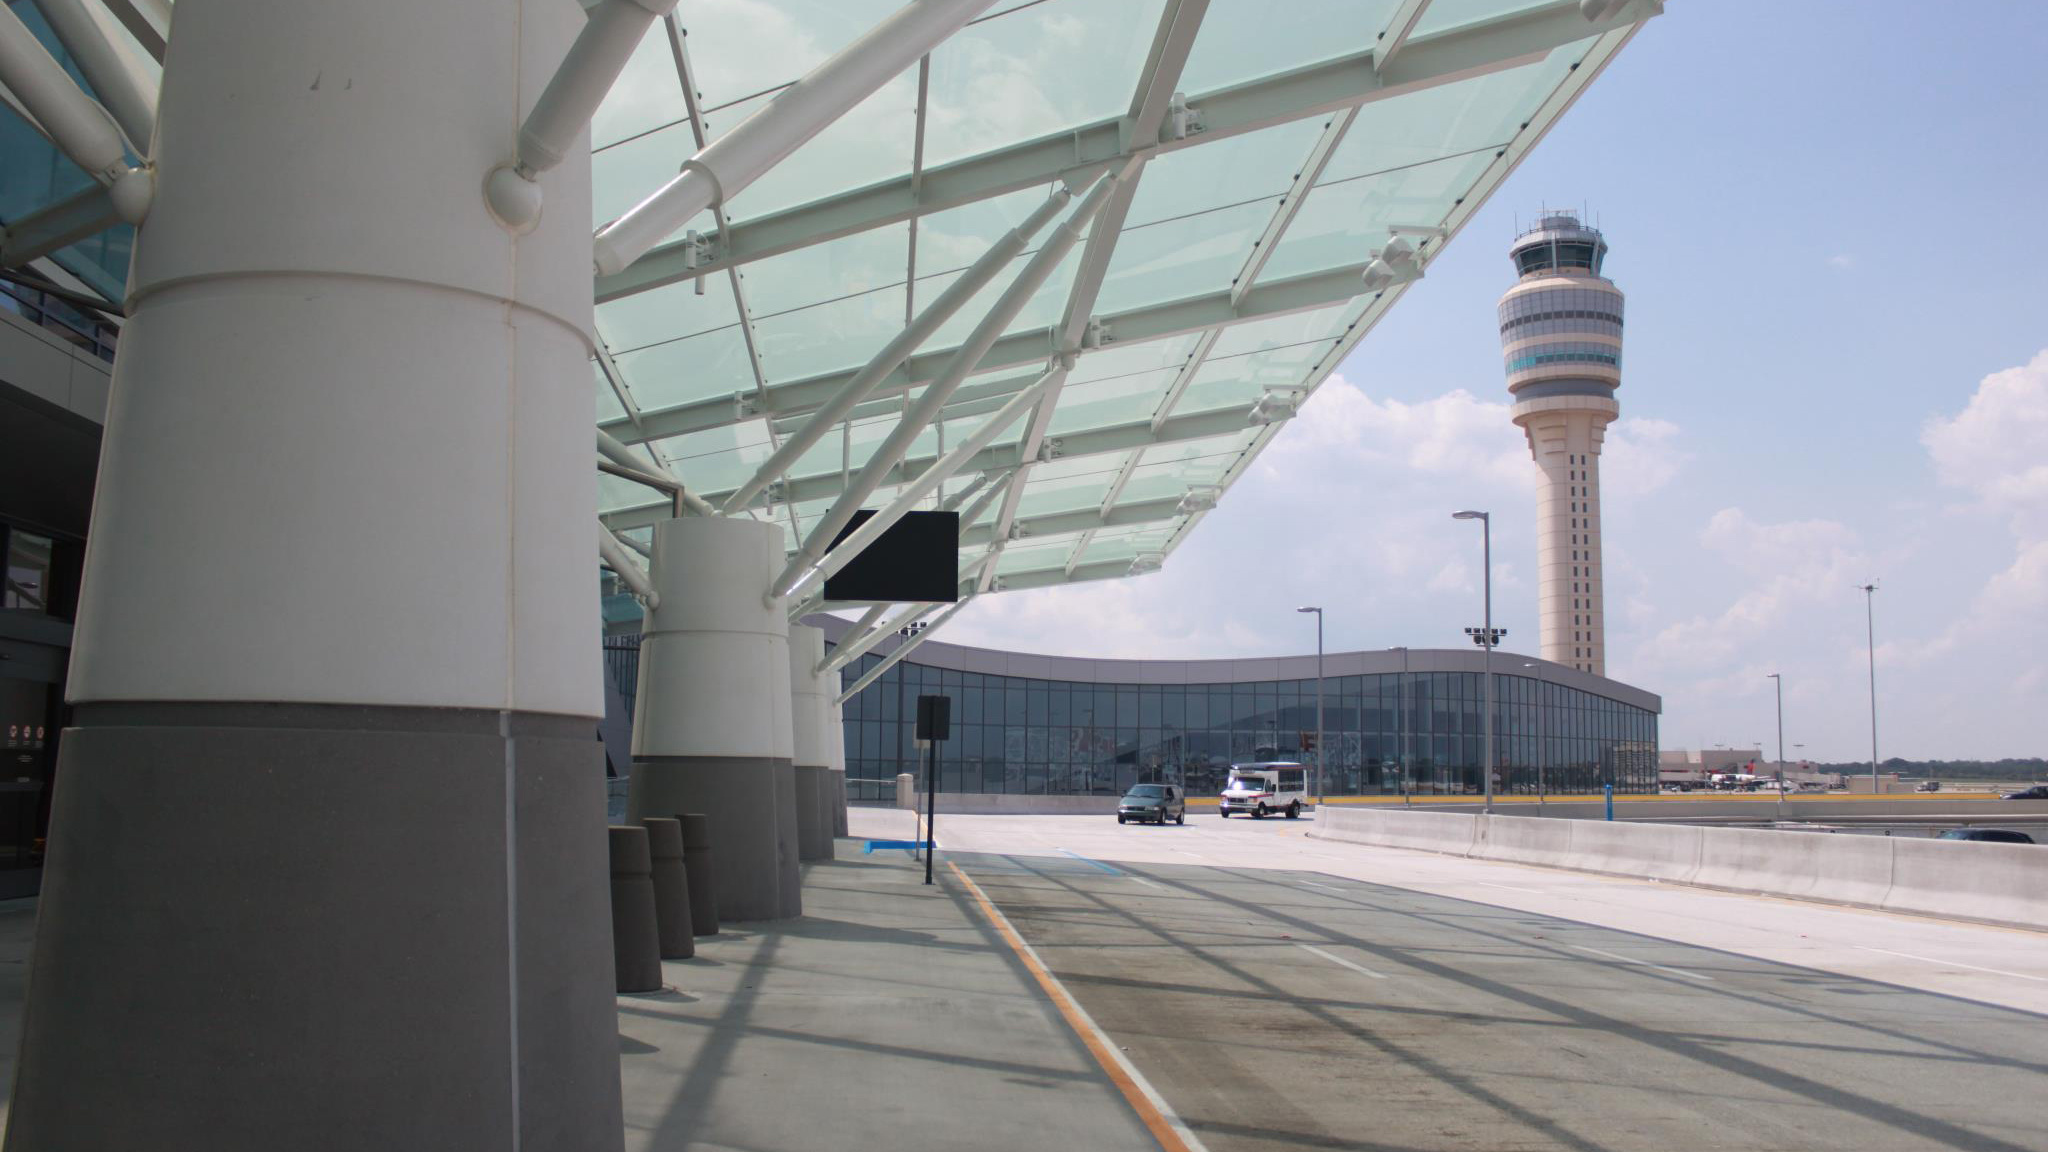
(149, 21)
(1394, 36)
(82, 214)
(1017, 349)
(1442, 57)
(729, 164)
(82, 129)
(964, 360)
(843, 402)
(1305, 178)
(1079, 550)
(913, 493)
(1055, 524)
(847, 652)
(1197, 356)
(902, 650)
(612, 551)
(123, 86)
(853, 635)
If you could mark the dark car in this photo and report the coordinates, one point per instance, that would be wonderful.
(2037, 792)
(1994, 835)
(1152, 804)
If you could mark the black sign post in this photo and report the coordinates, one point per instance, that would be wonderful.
(934, 724)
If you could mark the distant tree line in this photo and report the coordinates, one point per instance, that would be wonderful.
(2025, 768)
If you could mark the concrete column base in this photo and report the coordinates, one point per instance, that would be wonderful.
(789, 877)
(813, 813)
(836, 790)
(738, 794)
(322, 927)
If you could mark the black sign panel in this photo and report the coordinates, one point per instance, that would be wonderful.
(934, 717)
(917, 559)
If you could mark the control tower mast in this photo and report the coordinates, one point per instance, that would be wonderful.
(1560, 335)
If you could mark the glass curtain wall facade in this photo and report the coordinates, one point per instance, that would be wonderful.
(1421, 730)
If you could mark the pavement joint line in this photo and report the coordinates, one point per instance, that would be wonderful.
(1152, 1109)
(1342, 962)
(1092, 863)
(1954, 964)
(1148, 883)
(1324, 887)
(1643, 963)
(1509, 887)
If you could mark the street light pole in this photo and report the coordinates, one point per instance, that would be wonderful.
(1870, 631)
(1779, 680)
(1486, 639)
(1401, 726)
(1319, 704)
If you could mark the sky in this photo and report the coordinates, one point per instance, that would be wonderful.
(1829, 220)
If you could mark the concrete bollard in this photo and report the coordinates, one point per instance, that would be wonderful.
(698, 863)
(671, 888)
(906, 792)
(636, 945)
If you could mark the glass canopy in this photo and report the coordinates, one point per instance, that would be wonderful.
(1224, 283)
(1263, 154)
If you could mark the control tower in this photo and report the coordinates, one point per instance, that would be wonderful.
(1560, 335)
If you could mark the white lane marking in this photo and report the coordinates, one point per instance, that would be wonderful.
(1148, 883)
(1342, 962)
(1644, 963)
(1324, 887)
(1953, 964)
(1509, 887)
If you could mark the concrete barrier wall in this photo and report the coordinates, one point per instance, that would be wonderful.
(1013, 804)
(1997, 883)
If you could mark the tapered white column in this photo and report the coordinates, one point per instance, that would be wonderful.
(712, 731)
(327, 864)
(811, 721)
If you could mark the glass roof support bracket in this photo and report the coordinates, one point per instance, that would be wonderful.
(727, 165)
(963, 361)
(902, 650)
(83, 130)
(610, 33)
(125, 89)
(1395, 35)
(957, 294)
(913, 493)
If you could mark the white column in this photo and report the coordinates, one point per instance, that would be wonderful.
(712, 733)
(811, 721)
(328, 862)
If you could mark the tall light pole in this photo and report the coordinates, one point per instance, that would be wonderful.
(1779, 680)
(1319, 703)
(1401, 700)
(1870, 632)
(1486, 640)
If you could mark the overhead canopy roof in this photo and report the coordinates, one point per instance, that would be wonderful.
(1295, 140)
(1263, 155)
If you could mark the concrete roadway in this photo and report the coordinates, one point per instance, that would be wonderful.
(1283, 993)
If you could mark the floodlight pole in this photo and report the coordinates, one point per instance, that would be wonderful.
(1779, 680)
(1870, 632)
(1319, 703)
(1486, 640)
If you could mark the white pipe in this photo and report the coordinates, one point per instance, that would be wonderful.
(79, 127)
(854, 634)
(122, 85)
(847, 653)
(634, 575)
(618, 452)
(611, 31)
(892, 355)
(728, 164)
(889, 661)
(914, 492)
(934, 397)
(975, 510)
(66, 222)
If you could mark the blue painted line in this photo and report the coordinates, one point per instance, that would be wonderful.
(1093, 863)
(906, 845)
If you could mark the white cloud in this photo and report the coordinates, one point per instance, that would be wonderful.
(1841, 260)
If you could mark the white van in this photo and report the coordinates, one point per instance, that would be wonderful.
(1261, 789)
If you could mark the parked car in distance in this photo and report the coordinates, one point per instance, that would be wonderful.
(1928, 786)
(1152, 804)
(2037, 792)
(1992, 835)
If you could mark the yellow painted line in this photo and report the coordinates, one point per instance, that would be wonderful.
(1152, 1110)
(1641, 797)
